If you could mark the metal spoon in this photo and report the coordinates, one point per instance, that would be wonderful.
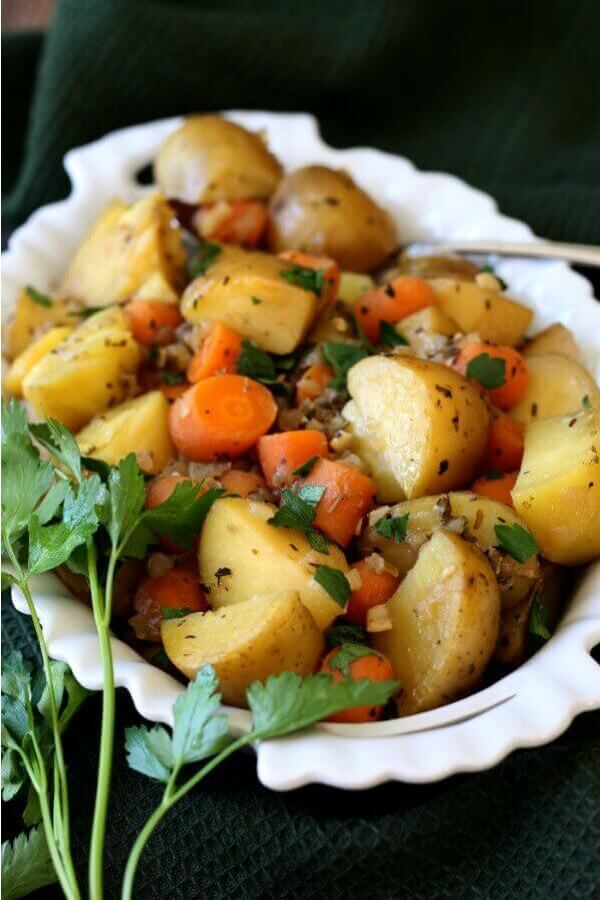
(582, 254)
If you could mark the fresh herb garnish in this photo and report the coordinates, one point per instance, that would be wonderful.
(203, 258)
(38, 297)
(537, 619)
(516, 541)
(585, 402)
(307, 279)
(306, 467)
(342, 357)
(489, 371)
(171, 378)
(494, 475)
(389, 336)
(298, 510)
(335, 583)
(86, 311)
(393, 527)
(491, 271)
(255, 363)
(175, 612)
(26, 864)
(346, 634)
(346, 655)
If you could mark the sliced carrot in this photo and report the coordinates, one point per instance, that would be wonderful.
(313, 382)
(496, 488)
(373, 666)
(375, 588)
(505, 443)
(219, 352)
(281, 454)
(153, 323)
(348, 497)
(241, 222)
(160, 489)
(329, 267)
(178, 588)
(223, 415)
(516, 376)
(242, 483)
(391, 303)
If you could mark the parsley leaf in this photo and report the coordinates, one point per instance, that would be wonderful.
(494, 475)
(60, 443)
(26, 864)
(345, 656)
(87, 311)
(25, 477)
(393, 527)
(255, 363)
(171, 378)
(489, 371)
(287, 702)
(298, 510)
(127, 495)
(516, 541)
(175, 612)
(306, 467)
(342, 357)
(38, 297)
(344, 634)
(537, 619)
(307, 279)
(335, 583)
(149, 751)
(203, 258)
(585, 402)
(390, 337)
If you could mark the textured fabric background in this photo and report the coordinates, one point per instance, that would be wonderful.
(504, 95)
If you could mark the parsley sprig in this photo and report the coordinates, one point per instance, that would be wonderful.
(516, 541)
(298, 510)
(341, 358)
(489, 371)
(393, 527)
(307, 279)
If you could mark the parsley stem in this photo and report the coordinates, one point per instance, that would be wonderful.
(101, 610)
(169, 799)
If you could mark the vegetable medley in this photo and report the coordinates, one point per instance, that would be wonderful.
(355, 461)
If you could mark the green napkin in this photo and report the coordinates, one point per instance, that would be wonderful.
(504, 95)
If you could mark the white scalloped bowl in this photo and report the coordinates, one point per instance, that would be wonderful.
(529, 707)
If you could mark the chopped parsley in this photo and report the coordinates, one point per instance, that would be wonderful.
(346, 655)
(393, 527)
(306, 467)
(516, 541)
(494, 475)
(38, 297)
(489, 371)
(390, 337)
(335, 583)
(255, 363)
(86, 312)
(298, 510)
(585, 402)
(172, 378)
(346, 634)
(203, 258)
(175, 612)
(307, 279)
(537, 619)
(341, 358)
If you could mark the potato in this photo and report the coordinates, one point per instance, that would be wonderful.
(479, 515)
(515, 641)
(32, 319)
(445, 618)
(140, 426)
(87, 373)
(432, 267)
(553, 339)
(423, 329)
(247, 292)
(246, 642)
(131, 252)
(322, 211)
(210, 159)
(353, 285)
(557, 386)
(26, 360)
(557, 493)
(241, 555)
(420, 426)
(488, 313)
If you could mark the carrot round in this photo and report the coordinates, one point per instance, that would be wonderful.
(496, 488)
(478, 357)
(347, 498)
(242, 483)
(153, 323)
(219, 352)
(313, 382)
(178, 588)
(391, 303)
(505, 443)
(223, 415)
(373, 666)
(240, 222)
(375, 588)
(160, 489)
(329, 267)
(281, 454)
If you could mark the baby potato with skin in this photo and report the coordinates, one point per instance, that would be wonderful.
(323, 212)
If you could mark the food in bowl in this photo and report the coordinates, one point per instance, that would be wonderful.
(400, 476)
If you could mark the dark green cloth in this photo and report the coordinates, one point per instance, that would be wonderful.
(502, 94)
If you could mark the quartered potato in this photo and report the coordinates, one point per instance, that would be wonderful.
(491, 315)
(557, 387)
(445, 619)
(246, 642)
(422, 330)
(32, 319)
(140, 426)
(419, 426)
(25, 361)
(474, 516)
(248, 292)
(553, 339)
(515, 640)
(210, 159)
(131, 252)
(242, 556)
(558, 489)
(87, 373)
(323, 212)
